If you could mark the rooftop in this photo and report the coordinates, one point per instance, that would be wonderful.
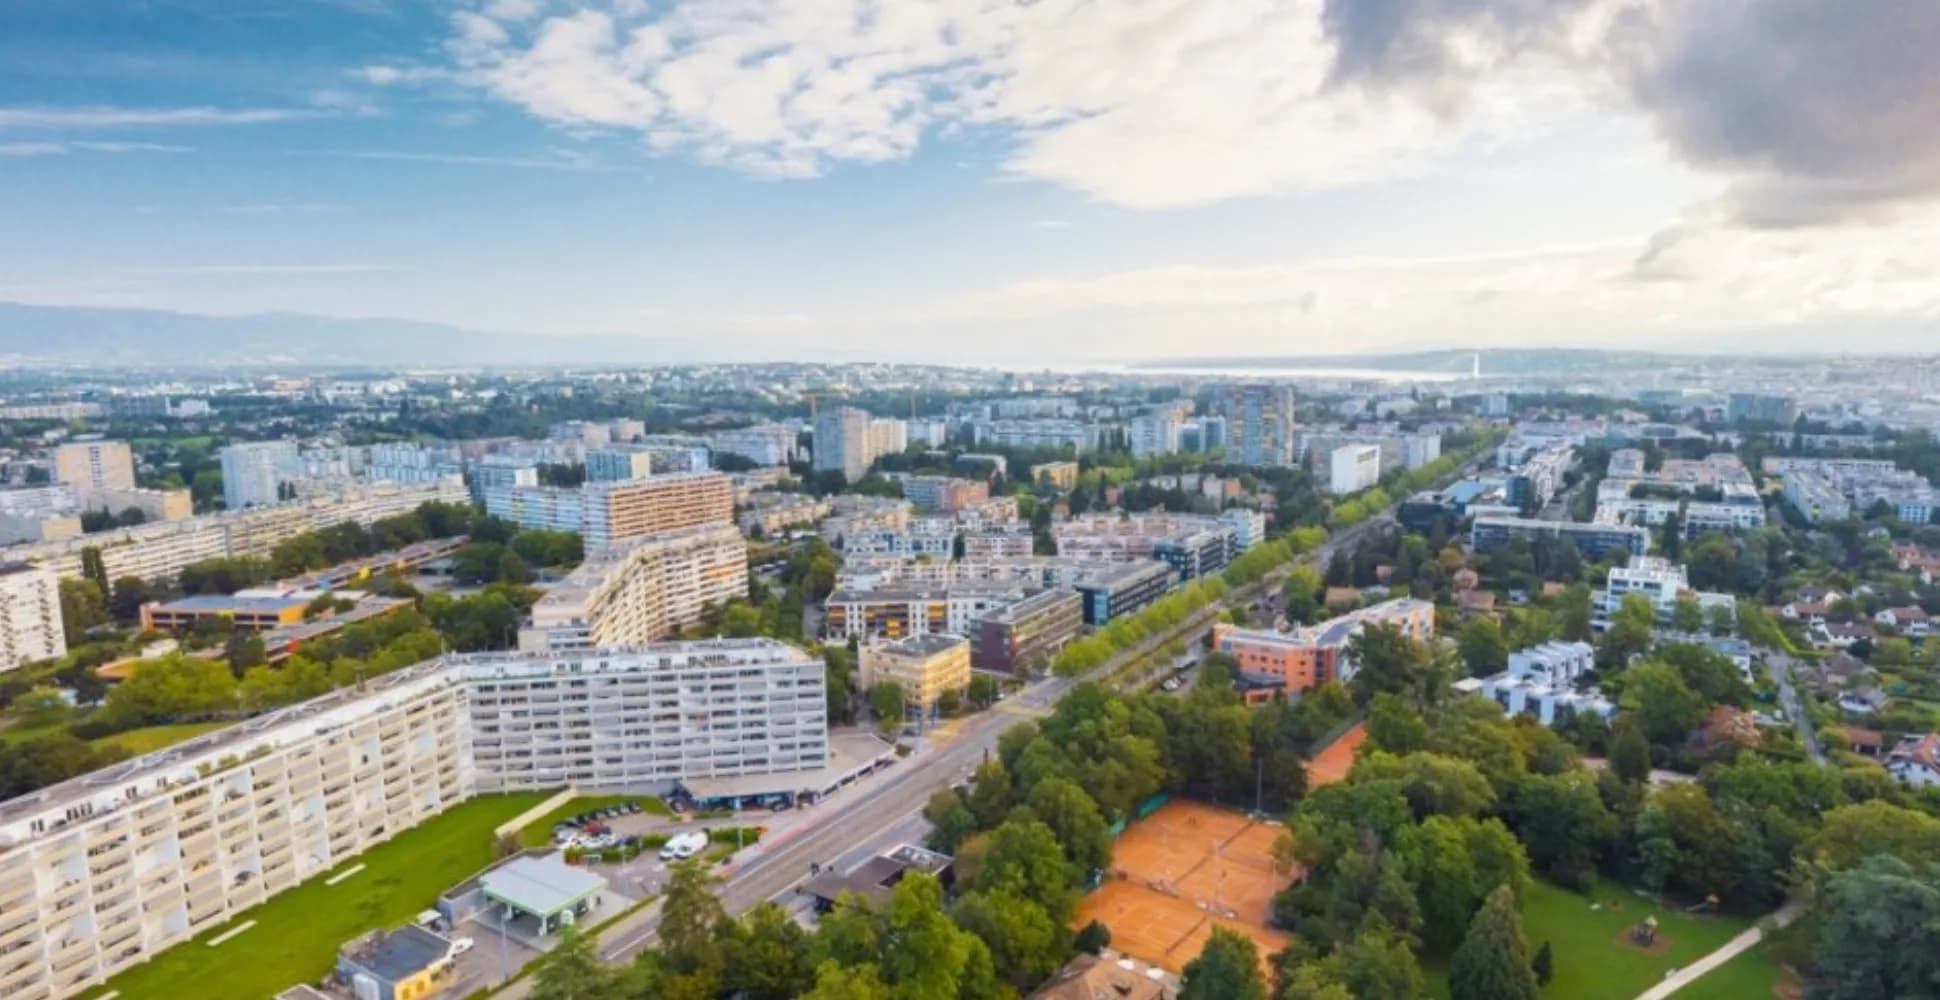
(398, 954)
(542, 885)
(229, 604)
(927, 644)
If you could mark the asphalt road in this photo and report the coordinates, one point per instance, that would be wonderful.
(1779, 667)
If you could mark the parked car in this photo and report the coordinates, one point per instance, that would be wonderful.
(459, 946)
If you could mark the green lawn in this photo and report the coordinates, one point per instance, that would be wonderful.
(152, 738)
(297, 932)
(1589, 962)
(538, 833)
(19, 732)
(1753, 975)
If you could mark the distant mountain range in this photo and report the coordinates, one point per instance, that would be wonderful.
(153, 337)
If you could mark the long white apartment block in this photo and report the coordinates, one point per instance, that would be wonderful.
(640, 590)
(651, 715)
(104, 871)
(30, 616)
(159, 551)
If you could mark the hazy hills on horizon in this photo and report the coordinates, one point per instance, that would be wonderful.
(125, 337)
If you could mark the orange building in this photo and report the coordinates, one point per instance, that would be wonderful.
(1303, 659)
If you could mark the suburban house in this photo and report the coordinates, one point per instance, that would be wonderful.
(1840, 635)
(1916, 760)
(1911, 621)
(1810, 605)
(1864, 701)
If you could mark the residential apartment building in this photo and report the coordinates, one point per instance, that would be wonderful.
(944, 494)
(1595, 541)
(1302, 659)
(617, 465)
(999, 541)
(1065, 435)
(640, 589)
(1353, 468)
(91, 466)
(607, 512)
(762, 444)
(842, 442)
(158, 551)
(1111, 590)
(253, 474)
(103, 872)
(1024, 635)
(1195, 544)
(155, 505)
(1260, 424)
(772, 514)
(647, 716)
(896, 613)
(1662, 582)
(1761, 408)
(1542, 681)
(924, 666)
(1154, 434)
(1537, 479)
(30, 616)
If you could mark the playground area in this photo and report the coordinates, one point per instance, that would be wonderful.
(1182, 871)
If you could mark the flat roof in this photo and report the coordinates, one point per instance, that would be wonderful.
(541, 886)
(927, 644)
(398, 954)
(219, 603)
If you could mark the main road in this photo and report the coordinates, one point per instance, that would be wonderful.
(771, 869)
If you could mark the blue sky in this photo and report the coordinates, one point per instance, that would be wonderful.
(965, 179)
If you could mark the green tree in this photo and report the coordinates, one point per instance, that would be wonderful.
(951, 820)
(1543, 965)
(1574, 613)
(1631, 628)
(93, 568)
(1025, 859)
(834, 981)
(1484, 650)
(927, 956)
(1228, 968)
(691, 917)
(573, 971)
(1564, 824)
(1687, 615)
(82, 607)
(1665, 706)
(1879, 933)
(983, 691)
(1630, 752)
(766, 954)
(39, 706)
(1302, 593)
(886, 702)
(1074, 819)
(129, 594)
(1493, 961)
(1024, 941)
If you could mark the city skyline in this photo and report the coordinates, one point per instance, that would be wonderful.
(969, 180)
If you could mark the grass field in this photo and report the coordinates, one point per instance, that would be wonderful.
(1592, 957)
(297, 933)
(153, 738)
(538, 833)
(1753, 975)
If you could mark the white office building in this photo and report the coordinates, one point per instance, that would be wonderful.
(762, 444)
(30, 616)
(102, 872)
(842, 442)
(1662, 582)
(1353, 468)
(612, 465)
(253, 474)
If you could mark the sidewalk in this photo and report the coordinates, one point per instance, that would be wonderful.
(1731, 949)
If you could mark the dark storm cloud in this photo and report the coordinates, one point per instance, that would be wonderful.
(1821, 110)
(1828, 110)
(1436, 43)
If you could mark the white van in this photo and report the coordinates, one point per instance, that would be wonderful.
(684, 846)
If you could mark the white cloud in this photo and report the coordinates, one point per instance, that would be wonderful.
(64, 148)
(210, 270)
(1145, 103)
(561, 160)
(110, 116)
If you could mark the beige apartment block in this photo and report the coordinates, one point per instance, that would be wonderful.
(925, 666)
(641, 589)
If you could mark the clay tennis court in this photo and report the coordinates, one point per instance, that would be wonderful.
(1333, 763)
(1179, 873)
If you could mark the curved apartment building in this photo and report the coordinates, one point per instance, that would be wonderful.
(641, 590)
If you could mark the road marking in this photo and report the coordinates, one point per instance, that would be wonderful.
(231, 932)
(346, 873)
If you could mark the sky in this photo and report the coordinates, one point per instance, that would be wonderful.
(1002, 180)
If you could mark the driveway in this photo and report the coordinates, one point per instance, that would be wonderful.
(1779, 667)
